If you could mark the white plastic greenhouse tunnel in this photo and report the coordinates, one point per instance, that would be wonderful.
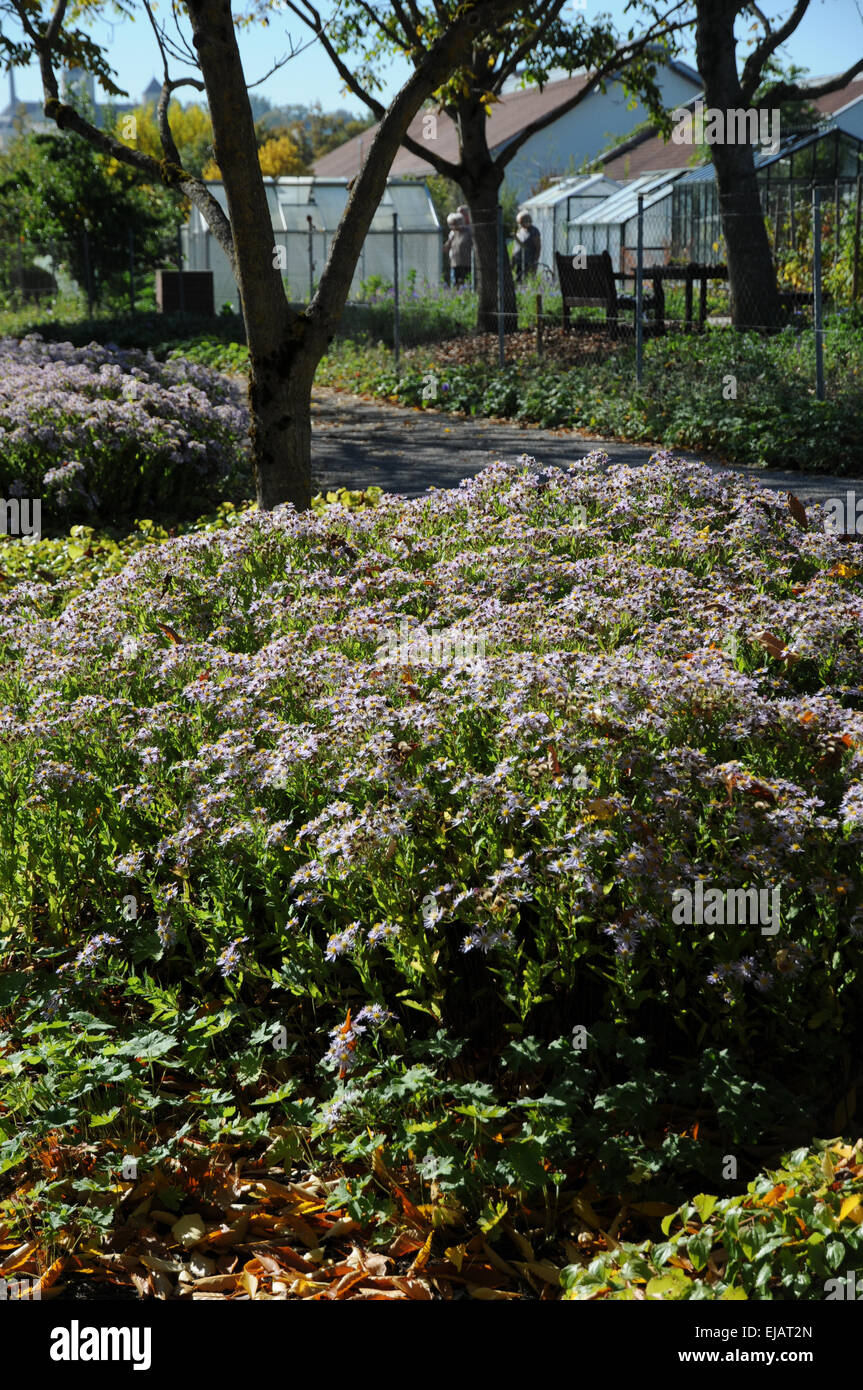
(305, 244)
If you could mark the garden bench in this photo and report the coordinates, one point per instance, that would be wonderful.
(593, 287)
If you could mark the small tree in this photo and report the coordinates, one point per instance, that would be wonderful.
(285, 346)
(54, 187)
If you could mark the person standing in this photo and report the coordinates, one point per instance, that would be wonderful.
(458, 246)
(528, 243)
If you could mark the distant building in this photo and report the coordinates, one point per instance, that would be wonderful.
(29, 116)
(573, 138)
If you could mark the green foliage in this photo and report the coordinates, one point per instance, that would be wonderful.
(773, 421)
(56, 184)
(795, 1234)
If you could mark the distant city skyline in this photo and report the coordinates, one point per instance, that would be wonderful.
(828, 38)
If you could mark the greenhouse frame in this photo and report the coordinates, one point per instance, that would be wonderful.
(305, 212)
(827, 158)
(565, 200)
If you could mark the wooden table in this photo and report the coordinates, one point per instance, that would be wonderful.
(659, 275)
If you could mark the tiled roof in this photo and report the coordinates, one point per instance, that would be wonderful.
(509, 115)
(648, 153)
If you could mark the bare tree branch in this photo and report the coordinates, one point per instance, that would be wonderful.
(754, 65)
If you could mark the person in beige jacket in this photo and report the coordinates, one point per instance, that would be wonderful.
(458, 246)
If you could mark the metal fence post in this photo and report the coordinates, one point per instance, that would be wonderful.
(132, 270)
(88, 273)
(396, 288)
(639, 294)
(855, 283)
(816, 287)
(501, 349)
(180, 289)
(311, 227)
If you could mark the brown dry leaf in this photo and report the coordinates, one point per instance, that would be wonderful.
(414, 1288)
(216, 1283)
(223, 1237)
(422, 1258)
(772, 644)
(542, 1269)
(160, 1284)
(404, 1244)
(344, 1226)
(51, 1275)
(300, 1228)
(19, 1257)
(798, 511)
(373, 1264)
(652, 1208)
(487, 1294)
(497, 1261)
(524, 1246)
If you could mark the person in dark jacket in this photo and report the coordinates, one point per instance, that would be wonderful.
(528, 242)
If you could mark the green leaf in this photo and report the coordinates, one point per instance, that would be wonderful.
(96, 1121)
(704, 1205)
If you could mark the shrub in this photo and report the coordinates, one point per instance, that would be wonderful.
(230, 813)
(124, 434)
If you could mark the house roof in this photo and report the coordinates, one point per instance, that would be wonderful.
(509, 116)
(648, 152)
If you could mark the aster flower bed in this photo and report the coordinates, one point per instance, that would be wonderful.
(264, 884)
(99, 433)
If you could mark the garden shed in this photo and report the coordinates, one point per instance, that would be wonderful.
(612, 224)
(306, 245)
(564, 201)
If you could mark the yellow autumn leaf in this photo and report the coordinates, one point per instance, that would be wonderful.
(849, 1205)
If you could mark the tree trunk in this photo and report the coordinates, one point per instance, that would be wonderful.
(280, 391)
(483, 218)
(480, 181)
(751, 273)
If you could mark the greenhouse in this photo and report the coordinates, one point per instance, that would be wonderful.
(305, 214)
(563, 202)
(612, 225)
(827, 158)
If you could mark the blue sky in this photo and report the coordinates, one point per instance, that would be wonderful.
(830, 35)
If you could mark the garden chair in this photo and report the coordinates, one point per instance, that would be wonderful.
(593, 287)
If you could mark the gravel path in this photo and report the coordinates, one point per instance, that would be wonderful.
(357, 443)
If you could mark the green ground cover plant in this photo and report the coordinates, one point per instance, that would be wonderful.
(744, 398)
(797, 1233)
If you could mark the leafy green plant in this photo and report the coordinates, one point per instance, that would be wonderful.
(796, 1233)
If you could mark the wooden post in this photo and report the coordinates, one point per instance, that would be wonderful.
(539, 325)
(690, 273)
(855, 287)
